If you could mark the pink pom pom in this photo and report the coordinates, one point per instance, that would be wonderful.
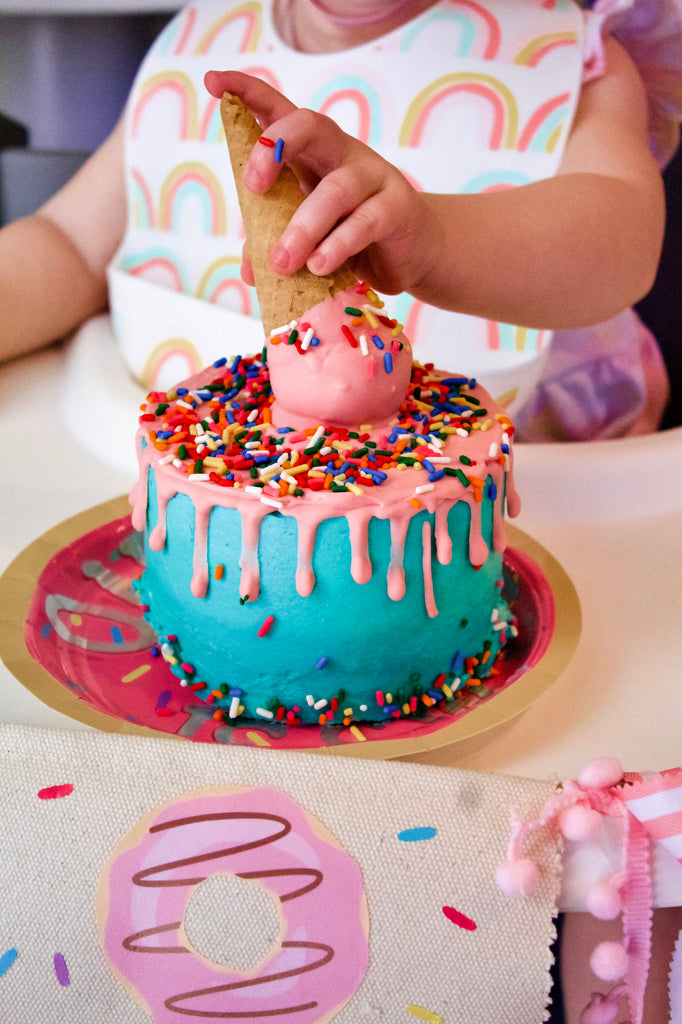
(603, 901)
(579, 823)
(601, 774)
(517, 877)
(609, 961)
(602, 1010)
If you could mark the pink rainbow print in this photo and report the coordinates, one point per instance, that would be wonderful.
(503, 105)
(249, 12)
(174, 38)
(193, 179)
(141, 204)
(515, 339)
(181, 86)
(549, 117)
(211, 127)
(144, 264)
(470, 17)
(533, 52)
(166, 350)
(222, 276)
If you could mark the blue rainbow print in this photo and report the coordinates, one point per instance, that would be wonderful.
(223, 279)
(479, 31)
(174, 37)
(509, 338)
(140, 201)
(492, 181)
(145, 263)
(365, 97)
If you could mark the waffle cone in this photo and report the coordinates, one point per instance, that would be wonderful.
(280, 297)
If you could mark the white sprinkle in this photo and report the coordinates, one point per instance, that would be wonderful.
(316, 436)
(499, 625)
(364, 347)
(310, 699)
(435, 459)
(285, 327)
(461, 432)
(253, 415)
(234, 707)
(264, 714)
(363, 707)
(435, 440)
(195, 478)
(166, 459)
(307, 338)
(200, 430)
(327, 450)
(271, 501)
(492, 451)
(423, 488)
(274, 484)
(178, 463)
(494, 615)
(250, 489)
(252, 444)
(319, 704)
(289, 478)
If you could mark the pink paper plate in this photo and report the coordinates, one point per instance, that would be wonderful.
(84, 627)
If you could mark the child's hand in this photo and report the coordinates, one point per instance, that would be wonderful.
(358, 207)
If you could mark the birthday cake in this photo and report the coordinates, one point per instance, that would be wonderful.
(323, 522)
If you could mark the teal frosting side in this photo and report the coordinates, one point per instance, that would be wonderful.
(346, 650)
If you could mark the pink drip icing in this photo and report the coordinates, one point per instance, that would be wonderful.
(396, 571)
(199, 584)
(478, 549)
(157, 537)
(305, 576)
(443, 541)
(429, 597)
(252, 517)
(360, 565)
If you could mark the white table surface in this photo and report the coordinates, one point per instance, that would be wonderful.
(610, 513)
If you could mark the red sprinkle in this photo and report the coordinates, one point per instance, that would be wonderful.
(349, 336)
(459, 919)
(267, 625)
(266, 142)
(55, 792)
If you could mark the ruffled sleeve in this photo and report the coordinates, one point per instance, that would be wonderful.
(651, 32)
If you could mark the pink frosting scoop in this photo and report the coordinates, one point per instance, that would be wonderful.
(342, 363)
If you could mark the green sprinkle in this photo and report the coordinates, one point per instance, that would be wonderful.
(291, 340)
(359, 452)
(298, 492)
(407, 460)
(462, 477)
(198, 466)
(352, 311)
(182, 451)
(380, 451)
(253, 473)
(160, 409)
(465, 459)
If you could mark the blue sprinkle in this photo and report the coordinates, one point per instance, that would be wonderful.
(229, 416)
(377, 341)
(472, 383)
(205, 396)
(181, 391)
(505, 448)
(345, 467)
(46, 630)
(155, 651)
(436, 694)
(454, 382)
(261, 458)
(116, 635)
(457, 662)
(163, 699)
(235, 364)
(389, 708)
(6, 960)
(388, 362)
(322, 662)
(314, 342)
(220, 362)
(235, 692)
(279, 146)
(416, 835)
(284, 430)
(429, 466)
(492, 492)
(437, 474)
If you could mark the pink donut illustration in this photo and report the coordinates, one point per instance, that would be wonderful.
(261, 835)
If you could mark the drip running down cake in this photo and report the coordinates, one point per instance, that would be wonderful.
(324, 522)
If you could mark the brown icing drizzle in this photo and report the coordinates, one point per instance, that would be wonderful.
(148, 877)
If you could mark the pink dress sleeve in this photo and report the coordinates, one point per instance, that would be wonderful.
(651, 32)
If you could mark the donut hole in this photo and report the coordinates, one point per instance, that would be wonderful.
(233, 922)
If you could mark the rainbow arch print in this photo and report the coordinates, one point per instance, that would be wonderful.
(140, 202)
(211, 127)
(251, 13)
(174, 38)
(509, 338)
(543, 129)
(362, 95)
(180, 85)
(505, 113)
(223, 276)
(149, 262)
(494, 181)
(479, 30)
(532, 53)
(171, 348)
(192, 180)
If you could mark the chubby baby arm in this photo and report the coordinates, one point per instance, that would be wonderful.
(568, 251)
(53, 263)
